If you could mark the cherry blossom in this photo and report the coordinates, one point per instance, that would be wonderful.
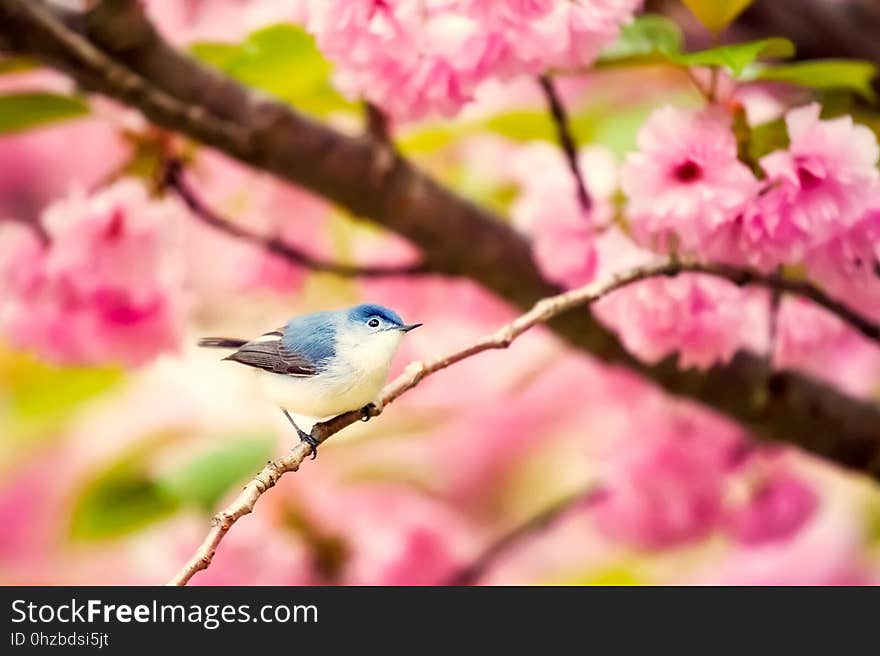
(107, 288)
(685, 180)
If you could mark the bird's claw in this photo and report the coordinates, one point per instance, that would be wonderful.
(367, 411)
(311, 441)
(305, 437)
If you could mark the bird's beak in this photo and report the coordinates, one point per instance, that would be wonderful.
(409, 326)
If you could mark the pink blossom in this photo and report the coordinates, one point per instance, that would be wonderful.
(778, 505)
(541, 34)
(549, 211)
(107, 289)
(32, 174)
(704, 319)
(809, 337)
(685, 180)
(664, 485)
(414, 58)
(829, 550)
(409, 58)
(817, 190)
(848, 266)
(756, 237)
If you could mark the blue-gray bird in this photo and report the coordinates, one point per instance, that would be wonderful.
(323, 364)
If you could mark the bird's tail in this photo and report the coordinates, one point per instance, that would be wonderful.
(222, 342)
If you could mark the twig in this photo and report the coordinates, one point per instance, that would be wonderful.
(706, 93)
(566, 140)
(379, 130)
(472, 573)
(173, 179)
(541, 312)
(377, 123)
(780, 285)
(714, 77)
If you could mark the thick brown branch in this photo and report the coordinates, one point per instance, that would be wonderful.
(173, 179)
(566, 140)
(456, 237)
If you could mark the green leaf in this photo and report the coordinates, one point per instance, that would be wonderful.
(281, 60)
(767, 137)
(850, 74)
(21, 111)
(205, 479)
(738, 56)
(644, 38)
(717, 14)
(39, 397)
(119, 500)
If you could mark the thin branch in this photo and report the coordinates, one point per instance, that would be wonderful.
(714, 78)
(779, 285)
(566, 140)
(542, 312)
(174, 180)
(473, 573)
(377, 123)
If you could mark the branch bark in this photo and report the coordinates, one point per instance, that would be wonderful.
(174, 180)
(115, 51)
(566, 140)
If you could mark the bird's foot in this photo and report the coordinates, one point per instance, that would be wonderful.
(311, 441)
(305, 437)
(367, 411)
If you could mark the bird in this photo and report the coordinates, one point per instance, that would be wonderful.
(324, 363)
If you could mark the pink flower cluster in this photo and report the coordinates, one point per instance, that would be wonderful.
(107, 288)
(818, 205)
(687, 189)
(416, 57)
(703, 318)
(685, 181)
(809, 337)
(677, 480)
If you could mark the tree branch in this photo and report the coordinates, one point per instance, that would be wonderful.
(566, 140)
(174, 180)
(377, 123)
(780, 285)
(542, 312)
(123, 51)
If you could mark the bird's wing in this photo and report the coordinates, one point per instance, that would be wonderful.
(273, 355)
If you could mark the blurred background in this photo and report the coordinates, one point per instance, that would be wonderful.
(119, 438)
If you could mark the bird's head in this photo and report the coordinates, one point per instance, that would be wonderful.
(374, 327)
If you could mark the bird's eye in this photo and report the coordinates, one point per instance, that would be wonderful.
(373, 323)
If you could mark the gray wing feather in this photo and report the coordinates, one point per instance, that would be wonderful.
(303, 346)
(273, 356)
